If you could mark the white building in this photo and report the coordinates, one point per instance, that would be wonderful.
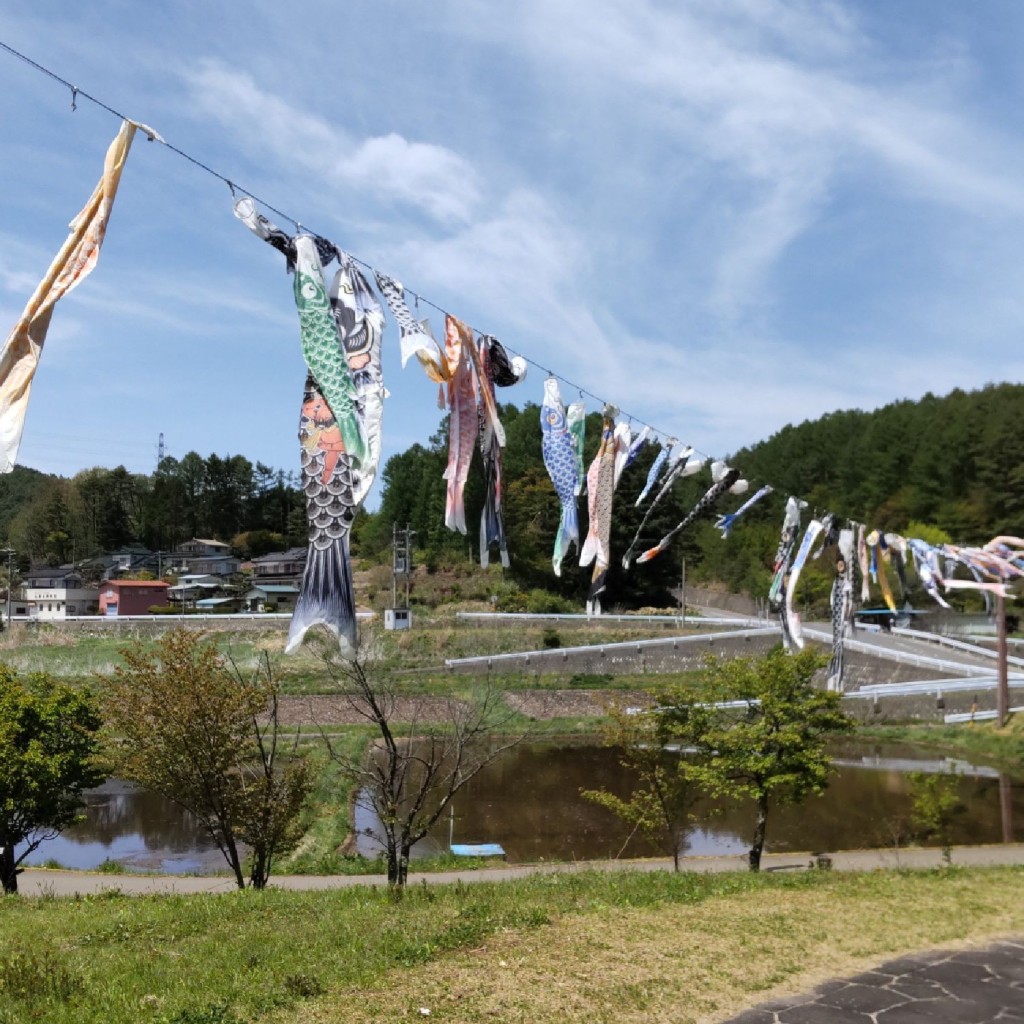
(52, 594)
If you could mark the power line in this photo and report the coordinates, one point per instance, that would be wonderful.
(77, 93)
(235, 188)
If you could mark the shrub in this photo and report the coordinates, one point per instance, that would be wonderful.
(550, 638)
(543, 602)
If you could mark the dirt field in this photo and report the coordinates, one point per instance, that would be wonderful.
(539, 705)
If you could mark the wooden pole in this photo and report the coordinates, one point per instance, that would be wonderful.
(1003, 688)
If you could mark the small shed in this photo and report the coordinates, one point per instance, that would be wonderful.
(131, 597)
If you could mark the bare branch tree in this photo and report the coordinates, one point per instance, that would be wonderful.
(428, 748)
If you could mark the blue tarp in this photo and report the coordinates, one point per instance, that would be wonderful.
(477, 850)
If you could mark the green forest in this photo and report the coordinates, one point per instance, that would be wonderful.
(947, 467)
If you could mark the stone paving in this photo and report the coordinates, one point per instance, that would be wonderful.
(972, 986)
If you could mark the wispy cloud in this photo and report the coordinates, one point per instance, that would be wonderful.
(21, 265)
(424, 175)
(775, 101)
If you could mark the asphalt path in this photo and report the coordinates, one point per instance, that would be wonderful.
(43, 881)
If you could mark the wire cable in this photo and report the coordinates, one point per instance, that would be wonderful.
(79, 93)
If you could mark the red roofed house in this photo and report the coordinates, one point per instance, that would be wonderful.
(131, 597)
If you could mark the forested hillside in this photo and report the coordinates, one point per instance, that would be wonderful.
(950, 466)
(956, 462)
(55, 520)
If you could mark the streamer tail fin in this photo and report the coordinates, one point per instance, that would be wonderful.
(326, 597)
(568, 534)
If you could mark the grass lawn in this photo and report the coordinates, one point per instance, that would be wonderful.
(592, 946)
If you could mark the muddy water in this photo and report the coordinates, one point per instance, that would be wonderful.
(135, 828)
(529, 801)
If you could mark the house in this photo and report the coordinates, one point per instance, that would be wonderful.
(215, 565)
(272, 597)
(210, 557)
(279, 567)
(53, 594)
(196, 586)
(197, 547)
(219, 605)
(131, 597)
(130, 561)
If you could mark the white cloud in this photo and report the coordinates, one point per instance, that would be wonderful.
(524, 266)
(21, 266)
(424, 175)
(778, 104)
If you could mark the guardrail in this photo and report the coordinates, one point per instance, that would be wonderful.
(948, 641)
(938, 687)
(563, 653)
(904, 657)
(958, 718)
(113, 620)
(676, 620)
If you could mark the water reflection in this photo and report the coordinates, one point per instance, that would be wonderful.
(136, 828)
(529, 801)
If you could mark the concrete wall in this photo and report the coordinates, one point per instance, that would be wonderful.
(920, 707)
(702, 597)
(668, 655)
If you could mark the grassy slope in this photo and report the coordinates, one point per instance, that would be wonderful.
(71, 655)
(983, 740)
(586, 947)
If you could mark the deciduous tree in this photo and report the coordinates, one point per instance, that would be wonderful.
(48, 739)
(186, 724)
(761, 728)
(935, 804)
(661, 803)
(427, 749)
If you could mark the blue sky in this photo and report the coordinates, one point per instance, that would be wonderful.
(724, 217)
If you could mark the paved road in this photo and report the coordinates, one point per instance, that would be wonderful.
(886, 642)
(39, 881)
(966, 987)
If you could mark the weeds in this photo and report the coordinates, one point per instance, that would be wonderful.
(37, 977)
(304, 986)
(215, 1013)
(222, 959)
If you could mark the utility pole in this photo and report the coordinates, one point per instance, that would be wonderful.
(1003, 685)
(398, 615)
(682, 593)
(9, 552)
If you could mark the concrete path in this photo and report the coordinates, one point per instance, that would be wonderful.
(966, 987)
(40, 881)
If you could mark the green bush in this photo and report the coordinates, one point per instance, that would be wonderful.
(543, 602)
